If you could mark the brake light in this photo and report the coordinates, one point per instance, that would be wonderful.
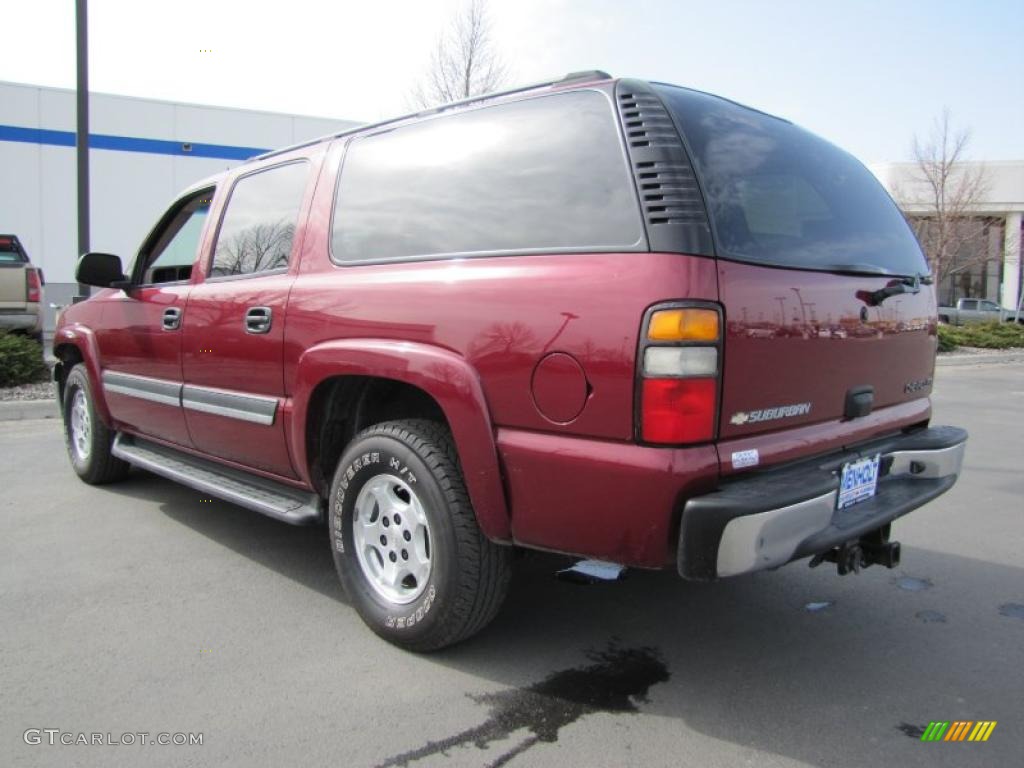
(679, 371)
(33, 286)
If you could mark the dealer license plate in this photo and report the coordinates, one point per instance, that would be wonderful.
(858, 482)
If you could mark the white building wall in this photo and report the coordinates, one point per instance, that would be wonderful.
(128, 190)
(1002, 197)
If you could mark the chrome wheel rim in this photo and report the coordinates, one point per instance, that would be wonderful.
(81, 426)
(392, 539)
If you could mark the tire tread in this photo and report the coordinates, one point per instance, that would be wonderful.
(484, 567)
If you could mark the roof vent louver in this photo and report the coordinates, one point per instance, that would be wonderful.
(673, 206)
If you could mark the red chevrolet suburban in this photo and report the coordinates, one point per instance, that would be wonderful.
(617, 319)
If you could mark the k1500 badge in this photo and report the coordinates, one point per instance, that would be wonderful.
(916, 386)
(769, 414)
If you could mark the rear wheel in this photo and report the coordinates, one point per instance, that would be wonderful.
(88, 438)
(405, 541)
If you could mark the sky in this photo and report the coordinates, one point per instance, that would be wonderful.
(866, 75)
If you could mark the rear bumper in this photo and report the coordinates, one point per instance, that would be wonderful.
(770, 518)
(29, 321)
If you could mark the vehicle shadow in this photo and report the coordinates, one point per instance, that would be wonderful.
(299, 552)
(768, 662)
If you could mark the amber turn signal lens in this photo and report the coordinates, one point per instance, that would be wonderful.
(683, 325)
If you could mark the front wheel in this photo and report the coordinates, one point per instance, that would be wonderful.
(88, 439)
(405, 540)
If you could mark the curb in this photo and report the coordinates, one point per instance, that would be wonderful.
(21, 410)
(979, 358)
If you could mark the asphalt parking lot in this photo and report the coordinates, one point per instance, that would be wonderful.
(142, 607)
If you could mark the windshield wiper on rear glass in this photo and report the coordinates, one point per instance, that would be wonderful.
(894, 288)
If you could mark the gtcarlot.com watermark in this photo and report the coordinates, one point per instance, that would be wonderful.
(55, 736)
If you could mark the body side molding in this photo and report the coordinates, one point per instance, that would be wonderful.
(258, 409)
(143, 387)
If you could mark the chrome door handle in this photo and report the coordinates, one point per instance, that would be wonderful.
(172, 319)
(258, 319)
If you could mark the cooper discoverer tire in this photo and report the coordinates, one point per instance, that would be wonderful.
(405, 540)
(87, 438)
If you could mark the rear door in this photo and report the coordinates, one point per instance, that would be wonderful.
(819, 275)
(233, 392)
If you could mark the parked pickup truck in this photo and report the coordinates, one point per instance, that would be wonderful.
(21, 290)
(976, 311)
(577, 317)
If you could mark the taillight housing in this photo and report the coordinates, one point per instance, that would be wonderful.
(679, 364)
(33, 285)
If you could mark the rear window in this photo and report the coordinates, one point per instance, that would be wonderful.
(540, 175)
(782, 196)
(9, 251)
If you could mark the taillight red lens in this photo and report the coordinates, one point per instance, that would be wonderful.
(678, 410)
(33, 288)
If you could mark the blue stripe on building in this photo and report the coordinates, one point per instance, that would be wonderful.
(128, 143)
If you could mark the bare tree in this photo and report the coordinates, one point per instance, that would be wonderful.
(943, 200)
(464, 63)
(254, 249)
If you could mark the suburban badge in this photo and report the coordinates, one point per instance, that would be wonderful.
(770, 414)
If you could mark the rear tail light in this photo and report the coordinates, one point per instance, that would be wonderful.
(33, 285)
(679, 372)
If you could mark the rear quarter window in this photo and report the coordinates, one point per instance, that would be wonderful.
(546, 174)
(779, 195)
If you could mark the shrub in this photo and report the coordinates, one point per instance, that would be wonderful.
(947, 338)
(21, 360)
(987, 335)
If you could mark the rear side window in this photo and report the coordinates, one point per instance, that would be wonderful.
(780, 195)
(258, 226)
(541, 175)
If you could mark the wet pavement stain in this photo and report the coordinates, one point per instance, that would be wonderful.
(911, 730)
(913, 584)
(614, 682)
(1012, 610)
(931, 617)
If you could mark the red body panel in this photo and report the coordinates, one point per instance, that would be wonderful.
(132, 340)
(444, 376)
(797, 336)
(217, 352)
(601, 499)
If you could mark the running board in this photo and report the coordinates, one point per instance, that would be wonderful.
(276, 500)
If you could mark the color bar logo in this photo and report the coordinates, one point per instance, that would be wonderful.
(958, 730)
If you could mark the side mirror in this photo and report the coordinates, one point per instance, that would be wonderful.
(103, 270)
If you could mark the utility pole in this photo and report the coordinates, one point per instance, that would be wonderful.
(803, 306)
(782, 309)
(82, 131)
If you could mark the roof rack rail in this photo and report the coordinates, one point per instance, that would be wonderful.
(587, 74)
(590, 74)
